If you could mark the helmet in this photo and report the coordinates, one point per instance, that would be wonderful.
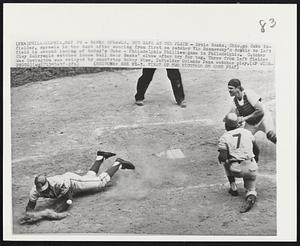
(41, 183)
(231, 121)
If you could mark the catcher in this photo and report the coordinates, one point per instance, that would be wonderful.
(238, 152)
(64, 187)
(248, 106)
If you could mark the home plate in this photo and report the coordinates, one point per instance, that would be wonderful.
(174, 154)
(171, 154)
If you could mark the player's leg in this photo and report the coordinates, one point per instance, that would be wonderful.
(176, 81)
(93, 183)
(118, 164)
(233, 187)
(142, 85)
(267, 127)
(250, 173)
(101, 155)
(90, 183)
(249, 184)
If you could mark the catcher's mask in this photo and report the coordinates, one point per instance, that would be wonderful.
(41, 183)
(231, 122)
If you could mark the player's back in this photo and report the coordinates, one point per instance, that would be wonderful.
(239, 143)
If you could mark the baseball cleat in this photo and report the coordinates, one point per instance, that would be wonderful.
(182, 104)
(233, 192)
(139, 102)
(125, 164)
(106, 155)
(250, 200)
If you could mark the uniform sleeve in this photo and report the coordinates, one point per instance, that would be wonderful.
(33, 195)
(232, 108)
(252, 97)
(222, 143)
(250, 135)
(64, 187)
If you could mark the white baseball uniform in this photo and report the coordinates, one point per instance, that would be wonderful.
(239, 145)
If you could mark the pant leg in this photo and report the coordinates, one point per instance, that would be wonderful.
(175, 78)
(89, 182)
(143, 83)
(250, 186)
(266, 124)
(233, 169)
(249, 176)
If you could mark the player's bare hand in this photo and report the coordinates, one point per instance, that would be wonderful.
(240, 119)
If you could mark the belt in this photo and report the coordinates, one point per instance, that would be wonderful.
(239, 161)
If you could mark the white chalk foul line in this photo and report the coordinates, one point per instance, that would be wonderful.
(239, 181)
(139, 125)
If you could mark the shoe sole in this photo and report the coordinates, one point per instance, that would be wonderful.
(106, 157)
(233, 193)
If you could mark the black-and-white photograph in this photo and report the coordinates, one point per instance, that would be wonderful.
(147, 158)
(155, 137)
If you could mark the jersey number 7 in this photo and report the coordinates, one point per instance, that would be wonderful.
(238, 136)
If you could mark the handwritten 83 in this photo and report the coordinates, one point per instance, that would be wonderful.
(267, 23)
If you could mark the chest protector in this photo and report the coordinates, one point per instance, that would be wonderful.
(247, 109)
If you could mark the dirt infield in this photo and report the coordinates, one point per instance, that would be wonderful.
(58, 125)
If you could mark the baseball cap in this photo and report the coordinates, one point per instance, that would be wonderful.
(41, 183)
(231, 120)
(234, 82)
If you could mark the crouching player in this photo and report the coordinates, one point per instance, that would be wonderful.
(238, 152)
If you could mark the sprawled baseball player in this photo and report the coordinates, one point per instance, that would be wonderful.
(238, 152)
(248, 106)
(64, 186)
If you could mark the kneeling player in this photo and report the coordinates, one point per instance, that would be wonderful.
(238, 152)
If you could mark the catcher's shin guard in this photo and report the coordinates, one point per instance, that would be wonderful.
(272, 136)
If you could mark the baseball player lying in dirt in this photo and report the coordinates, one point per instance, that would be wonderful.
(64, 187)
(238, 152)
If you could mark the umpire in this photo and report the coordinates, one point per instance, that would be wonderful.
(144, 81)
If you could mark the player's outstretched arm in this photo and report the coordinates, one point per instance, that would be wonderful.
(257, 114)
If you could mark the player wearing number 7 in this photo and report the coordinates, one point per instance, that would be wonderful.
(238, 152)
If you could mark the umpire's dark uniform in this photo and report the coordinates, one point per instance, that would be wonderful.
(145, 79)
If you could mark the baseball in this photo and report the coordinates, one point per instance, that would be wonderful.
(69, 202)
